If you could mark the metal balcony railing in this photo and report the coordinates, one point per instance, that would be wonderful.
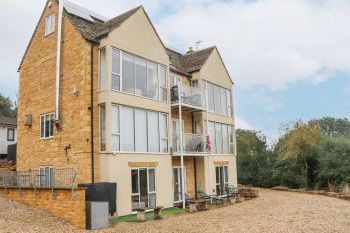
(54, 178)
(192, 143)
(188, 95)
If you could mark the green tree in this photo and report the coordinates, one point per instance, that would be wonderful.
(255, 163)
(332, 127)
(299, 142)
(7, 107)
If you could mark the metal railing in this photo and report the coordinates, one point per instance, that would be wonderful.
(192, 143)
(188, 95)
(52, 178)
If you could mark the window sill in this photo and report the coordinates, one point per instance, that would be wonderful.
(49, 34)
(144, 97)
(44, 139)
(134, 152)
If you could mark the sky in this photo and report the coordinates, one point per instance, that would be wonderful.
(289, 59)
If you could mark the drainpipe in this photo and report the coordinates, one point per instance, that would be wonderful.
(181, 148)
(58, 62)
(92, 114)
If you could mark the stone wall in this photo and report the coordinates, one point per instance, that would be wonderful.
(37, 96)
(63, 204)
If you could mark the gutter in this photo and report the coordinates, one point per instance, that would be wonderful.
(58, 63)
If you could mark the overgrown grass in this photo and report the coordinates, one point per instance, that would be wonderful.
(148, 215)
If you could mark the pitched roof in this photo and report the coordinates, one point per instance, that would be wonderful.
(10, 121)
(189, 62)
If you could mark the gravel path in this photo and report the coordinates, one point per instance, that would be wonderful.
(274, 211)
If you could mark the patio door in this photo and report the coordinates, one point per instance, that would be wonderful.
(143, 187)
(221, 180)
(177, 182)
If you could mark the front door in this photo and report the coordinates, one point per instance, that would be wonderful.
(221, 180)
(177, 177)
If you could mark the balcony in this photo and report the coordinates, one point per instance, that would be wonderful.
(192, 143)
(189, 97)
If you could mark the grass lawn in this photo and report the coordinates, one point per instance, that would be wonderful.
(149, 215)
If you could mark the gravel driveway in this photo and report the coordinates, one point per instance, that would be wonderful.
(274, 211)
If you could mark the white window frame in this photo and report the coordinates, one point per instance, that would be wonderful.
(99, 126)
(100, 78)
(138, 180)
(13, 134)
(225, 181)
(50, 24)
(159, 139)
(214, 140)
(116, 134)
(180, 181)
(52, 115)
(228, 104)
(165, 86)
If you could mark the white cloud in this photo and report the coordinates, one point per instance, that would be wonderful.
(271, 43)
(243, 124)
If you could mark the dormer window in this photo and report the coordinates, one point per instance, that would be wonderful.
(49, 24)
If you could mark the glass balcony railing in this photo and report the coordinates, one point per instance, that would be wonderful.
(192, 143)
(188, 95)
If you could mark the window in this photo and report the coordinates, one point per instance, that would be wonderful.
(153, 132)
(46, 177)
(127, 129)
(49, 24)
(141, 76)
(138, 76)
(143, 188)
(163, 127)
(221, 138)
(102, 81)
(46, 125)
(152, 71)
(102, 127)
(10, 135)
(135, 129)
(115, 128)
(163, 83)
(219, 99)
(218, 130)
(115, 82)
(221, 173)
(141, 128)
(128, 82)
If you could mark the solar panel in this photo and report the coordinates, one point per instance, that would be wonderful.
(82, 12)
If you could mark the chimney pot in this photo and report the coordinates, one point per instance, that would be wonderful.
(190, 50)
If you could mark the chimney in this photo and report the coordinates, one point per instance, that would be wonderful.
(190, 50)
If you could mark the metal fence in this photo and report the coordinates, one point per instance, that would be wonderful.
(47, 177)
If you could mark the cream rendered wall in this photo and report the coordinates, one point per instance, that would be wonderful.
(117, 170)
(136, 36)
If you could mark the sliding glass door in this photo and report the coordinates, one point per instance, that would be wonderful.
(221, 180)
(143, 187)
(177, 176)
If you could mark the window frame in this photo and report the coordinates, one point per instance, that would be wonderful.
(139, 184)
(217, 108)
(225, 175)
(13, 134)
(100, 87)
(50, 183)
(159, 86)
(214, 139)
(43, 137)
(105, 125)
(50, 19)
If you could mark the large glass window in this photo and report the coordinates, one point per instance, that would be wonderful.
(115, 81)
(135, 129)
(46, 125)
(138, 76)
(141, 76)
(102, 127)
(219, 99)
(220, 138)
(102, 80)
(152, 71)
(217, 105)
(115, 128)
(128, 81)
(127, 129)
(49, 24)
(143, 183)
(229, 108)
(141, 130)
(153, 132)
